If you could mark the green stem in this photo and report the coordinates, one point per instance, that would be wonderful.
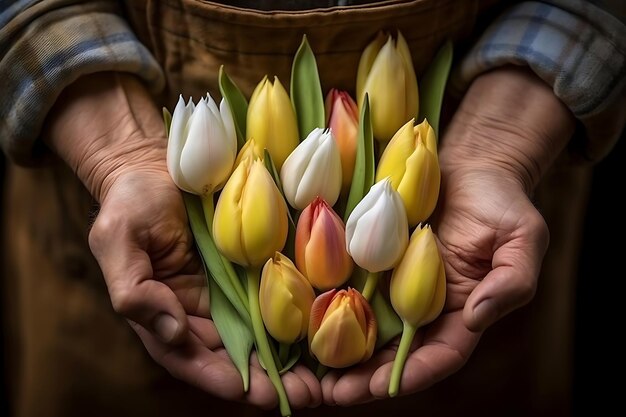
(208, 207)
(371, 283)
(209, 211)
(262, 342)
(408, 333)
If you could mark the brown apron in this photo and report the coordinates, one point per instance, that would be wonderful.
(71, 355)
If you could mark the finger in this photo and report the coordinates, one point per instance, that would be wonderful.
(205, 332)
(192, 292)
(313, 384)
(195, 365)
(354, 386)
(513, 280)
(446, 347)
(297, 390)
(129, 276)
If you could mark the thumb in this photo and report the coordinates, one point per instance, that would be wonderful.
(512, 282)
(134, 292)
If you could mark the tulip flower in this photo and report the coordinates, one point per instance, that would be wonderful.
(271, 121)
(321, 246)
(250, 222)
(417, 291)
(386, 73)
(313, 169)
(202, 146)
(285, 298)
(377, 229)
(343, 121)
(411, 161)
(342, 328)
(248, 150)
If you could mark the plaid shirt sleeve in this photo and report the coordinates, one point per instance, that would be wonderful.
(46, 45)
(574, 46)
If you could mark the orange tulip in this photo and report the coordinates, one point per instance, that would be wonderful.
(320, 246)
(342, 328)
(343, 121)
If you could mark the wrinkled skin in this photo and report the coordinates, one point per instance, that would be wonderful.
(492, 238)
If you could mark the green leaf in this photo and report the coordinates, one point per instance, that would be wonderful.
(237, 103)
(221, 270)
(233, 331)
(306, 90)
(433, 86)
(167, 119)
(363, 176)
(294, 355)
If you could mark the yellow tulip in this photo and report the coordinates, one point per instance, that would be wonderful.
(386, 73)
(250, 222)
(418, 284)
(320, 246)
(272, 122)
(286, 298)
(248, 150)
(411, 161)
(342, 328)
(343, 121)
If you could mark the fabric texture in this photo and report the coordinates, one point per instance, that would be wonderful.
(579, 50)
(45, 46)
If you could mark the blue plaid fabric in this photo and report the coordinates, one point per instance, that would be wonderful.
(576, 47)
(45, 46)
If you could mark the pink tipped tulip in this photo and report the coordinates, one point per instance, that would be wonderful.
(342, 328)
(320, 246)
(343, 120)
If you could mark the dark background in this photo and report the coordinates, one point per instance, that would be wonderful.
(596, 350)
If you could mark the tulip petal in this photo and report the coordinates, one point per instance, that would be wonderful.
(229, 125)
(365, 64)
(318, 309)
(176, 141)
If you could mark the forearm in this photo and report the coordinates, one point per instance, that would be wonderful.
(47, 45)
(511, 122)
(104, 125)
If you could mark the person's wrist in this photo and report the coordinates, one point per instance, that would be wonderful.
(105, 126)
(510, 124)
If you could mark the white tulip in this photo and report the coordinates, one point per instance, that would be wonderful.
(377, 231)
(202, 145)
(312, 170)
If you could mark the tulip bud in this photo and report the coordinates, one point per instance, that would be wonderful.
(321, 246)
(342, 328)
(411, 161)
(202, 146)
(272, 122)
(377, 230)
(250, 222)
(343, 121)
(386, 73)
(285, 298)
(418, 284)
(313, 169)
(248, 150)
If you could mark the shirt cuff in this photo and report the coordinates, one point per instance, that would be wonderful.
(42, 52)
(580, 52)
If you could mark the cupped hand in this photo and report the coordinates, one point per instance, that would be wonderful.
(508, 130)
(146, 252)
(106, 127)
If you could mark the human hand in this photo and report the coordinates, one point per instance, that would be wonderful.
(107, 129)
(506, 133)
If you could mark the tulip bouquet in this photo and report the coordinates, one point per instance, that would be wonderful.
(298, 203)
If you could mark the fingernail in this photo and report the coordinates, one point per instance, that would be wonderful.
(166, 327)
(485, 313)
